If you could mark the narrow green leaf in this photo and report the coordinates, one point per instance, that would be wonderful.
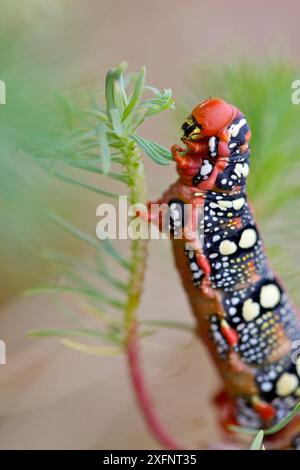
(257, 441)
(278, 427)
(91, 349)
(116, 122)
(95, 169)
(98, 114)
(103, 245)
(285, 421)
(86, 292)
(57, 332)
(111, 75)
(66, 108)
(120, 97)
(153, 89)
(73, 181)
(163, 152)
(59, 257)
(137, 92)
(80, 135)
(161, 102)
(117, 283)
(114, 94)
(104, 149)
(155, 151)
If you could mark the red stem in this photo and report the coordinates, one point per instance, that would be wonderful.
(141, 392)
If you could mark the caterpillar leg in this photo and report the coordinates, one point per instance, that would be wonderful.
(226, 410)
(218, 168)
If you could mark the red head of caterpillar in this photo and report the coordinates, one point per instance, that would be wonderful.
(212, 126)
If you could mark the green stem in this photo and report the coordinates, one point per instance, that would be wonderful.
(139, 249)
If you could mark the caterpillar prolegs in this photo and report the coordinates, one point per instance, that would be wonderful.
(243, 313)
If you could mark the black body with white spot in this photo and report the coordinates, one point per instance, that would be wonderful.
(255, 304)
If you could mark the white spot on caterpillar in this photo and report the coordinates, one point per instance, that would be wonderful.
(227, 247)
(225, 204)
(250, 310)
(298, 366)
(242, 169)
(238, 203)
(272, 375)
(269, 296)
(175, 213)
(286, 384)
(206, 168)
(194, 266)
(212, 143)
(248, 238)
(197, 275)
(266, 386)
(234, 129)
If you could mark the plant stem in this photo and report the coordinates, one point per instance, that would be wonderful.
(142, 395)
(139, 249)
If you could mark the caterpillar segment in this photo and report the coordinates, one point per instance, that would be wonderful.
(243, 312)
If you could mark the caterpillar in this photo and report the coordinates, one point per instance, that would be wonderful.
(242, 310)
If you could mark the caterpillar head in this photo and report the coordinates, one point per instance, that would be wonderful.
(208, 119)
(215, 127)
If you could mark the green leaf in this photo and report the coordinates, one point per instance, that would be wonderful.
(103, 245)
(111, 76)
(95, 169)
(57, 332)
(155, 151)
(137, 92)
(116, 122)
(257, 441)
(120, 95)
(154, 90)
(114, 89)
(161, 102)
(278, 427)
(98, 114)
(57, 256)
(86, 292)
(285, 421)
(66, 107)
(104, 149)
(95, 189)
(91, 349)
